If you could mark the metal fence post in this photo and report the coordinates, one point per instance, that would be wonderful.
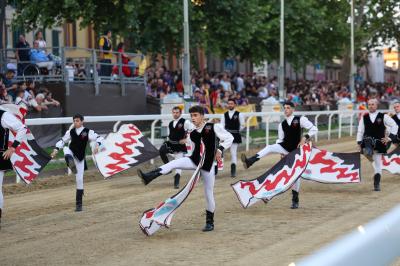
(95, 74)
(121, 75)
(152, 136)
(65, 73)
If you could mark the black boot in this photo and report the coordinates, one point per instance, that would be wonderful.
(70, 163)
(295, 200)
(233, 170)
(247, 162)
(150, 176)
(0, 218)
(176, 180)
(164, 150)
(209, 222)
(79, 195)
(377, 181)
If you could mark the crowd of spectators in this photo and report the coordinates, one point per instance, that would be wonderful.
(29, 93)
(214, 89)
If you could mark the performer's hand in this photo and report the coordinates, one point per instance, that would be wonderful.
(96, 150)
(182, 141)
(54, 153)
(218, 155)
(302, 142)
(385, 140)
(7, 154)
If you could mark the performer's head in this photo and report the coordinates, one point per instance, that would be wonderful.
(396, 107)
(78, 120)
(176, 112)
(372, 105)
(197, 115)
(288, 108)
(231, 104)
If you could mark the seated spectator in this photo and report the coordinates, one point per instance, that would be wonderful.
(240, 100)
(50, 101)
(126, 69)
(4, 97)
(8, 80)
(40, 58)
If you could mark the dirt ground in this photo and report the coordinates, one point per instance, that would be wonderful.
(40, 227)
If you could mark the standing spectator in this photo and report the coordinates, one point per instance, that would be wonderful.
(22, 54)
(39, 39)
(125, 61)
(225, 82)
(105, 46)
(240, 83)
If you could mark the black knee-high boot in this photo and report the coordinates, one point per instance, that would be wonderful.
(177, 177)
(209, 222)
(70, 163)
(247, 162)
(164, 150)
(377, 181)
(233, 170)
(0, 217)
(150, 176)
(79, 200)
(295, 199)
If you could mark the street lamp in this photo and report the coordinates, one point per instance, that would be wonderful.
(186, 52)
(281, 92)
(352, 66)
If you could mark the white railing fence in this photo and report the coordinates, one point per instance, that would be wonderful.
(376, 243)
(118, 119)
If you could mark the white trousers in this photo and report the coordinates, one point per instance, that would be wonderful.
(1, 189)
(233, 150)
(277, 148)
(186, 163)
(178, 155)
(80, 168)
(377, 163)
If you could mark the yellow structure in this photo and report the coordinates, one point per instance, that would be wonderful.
(390, 56)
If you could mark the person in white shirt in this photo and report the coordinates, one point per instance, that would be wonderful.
(175, 145)
(396, 116)
(8, 122)
(289, 138)
(233, 122)
(208, 134)
(75, 152)
(372, 139)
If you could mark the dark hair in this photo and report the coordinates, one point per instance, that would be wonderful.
(79, 116)
(120, 45)
(177, 108)
(288, 103)
(107, 31)
(231, 100)
(196, 109)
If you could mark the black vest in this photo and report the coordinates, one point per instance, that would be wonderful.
(292, 134)
(375, 130)
(397, 120)
(78, 143)
(4, 133)
(176, 134)
(232, 125)
(209, 139)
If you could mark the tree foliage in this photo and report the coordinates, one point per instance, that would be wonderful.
(315, 30)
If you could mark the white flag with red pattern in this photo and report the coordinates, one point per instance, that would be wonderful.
(391, 161)
(155, 218)
(122, 150)
(29, 159)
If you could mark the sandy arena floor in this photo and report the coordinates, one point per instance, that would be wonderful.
(40, 227)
